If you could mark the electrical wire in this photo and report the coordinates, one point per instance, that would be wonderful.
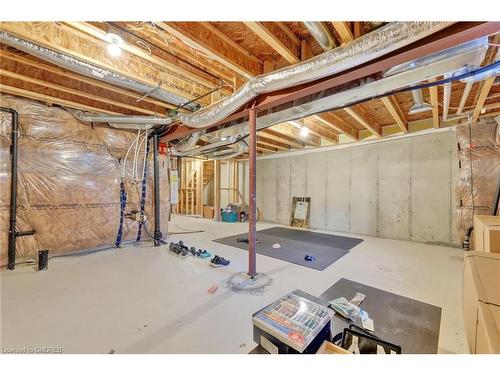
(126, 157)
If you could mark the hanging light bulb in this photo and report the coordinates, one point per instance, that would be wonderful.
(304, 132)
(115, 43)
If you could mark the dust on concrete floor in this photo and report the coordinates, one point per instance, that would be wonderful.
(142, 299)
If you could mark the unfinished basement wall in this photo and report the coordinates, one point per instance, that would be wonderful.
(399, 189)
(479, 173)
(69, 182)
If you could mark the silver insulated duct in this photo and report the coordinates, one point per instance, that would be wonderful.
(92, 71)
(321, 34)
(369, 47)
(122, 119)
(419, 105)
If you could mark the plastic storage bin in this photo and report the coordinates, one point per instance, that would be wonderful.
(230, 217)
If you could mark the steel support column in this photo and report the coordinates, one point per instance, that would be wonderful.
(252, 209)
(156, 170)
(11, 253)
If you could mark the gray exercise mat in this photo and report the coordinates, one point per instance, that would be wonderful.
(331, 240)
(411, 324)
(291, 250)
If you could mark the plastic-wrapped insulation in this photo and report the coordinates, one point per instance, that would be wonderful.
(479, 166)
(69, 182)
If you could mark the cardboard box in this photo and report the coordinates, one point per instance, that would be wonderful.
(487, 233)
(208, 212)
(481, 301)
(328, 348)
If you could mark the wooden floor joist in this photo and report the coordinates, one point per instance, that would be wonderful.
(320, 130)
(344, 31)
(132, 47)
(50, 99)
(396, 112)
(201, 37)
(361, 116)
(78, 93)
(483, 94)
(291, 140)
(433, 91)
(93, 51)
(35, 64)
(334, 121)
(278, 39)
(266, 140)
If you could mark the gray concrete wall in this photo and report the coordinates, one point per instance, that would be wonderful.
(400, 189)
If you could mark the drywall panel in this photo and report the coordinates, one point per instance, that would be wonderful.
(430, 188)
(316, 188)
(338, 190)
(283, 199)
(364, 173)
(394, 195)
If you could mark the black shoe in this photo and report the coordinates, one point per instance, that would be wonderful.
(218, 261)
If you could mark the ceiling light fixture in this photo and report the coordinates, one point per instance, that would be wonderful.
(223, 139)
(304, 132)
(115, 44)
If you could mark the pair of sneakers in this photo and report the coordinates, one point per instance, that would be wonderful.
(218, 261)
(202, 253)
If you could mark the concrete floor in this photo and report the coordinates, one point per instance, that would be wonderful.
(147, 300)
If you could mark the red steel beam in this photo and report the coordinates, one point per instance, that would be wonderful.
(456, 34)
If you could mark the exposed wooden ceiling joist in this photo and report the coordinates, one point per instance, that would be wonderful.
(433, 91)
(319, 130)
(294, 132)
(483, 94)
(285, 138)
(201, 36)
(278, 39)
(153, 34)
(361, 116)
(87, 48)
(334, 121)
(50, 99)
(64, 74)
(101, 34)
(272, 143)
(396, 113)
(6, 73)
(271, 136)
(344, 31)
